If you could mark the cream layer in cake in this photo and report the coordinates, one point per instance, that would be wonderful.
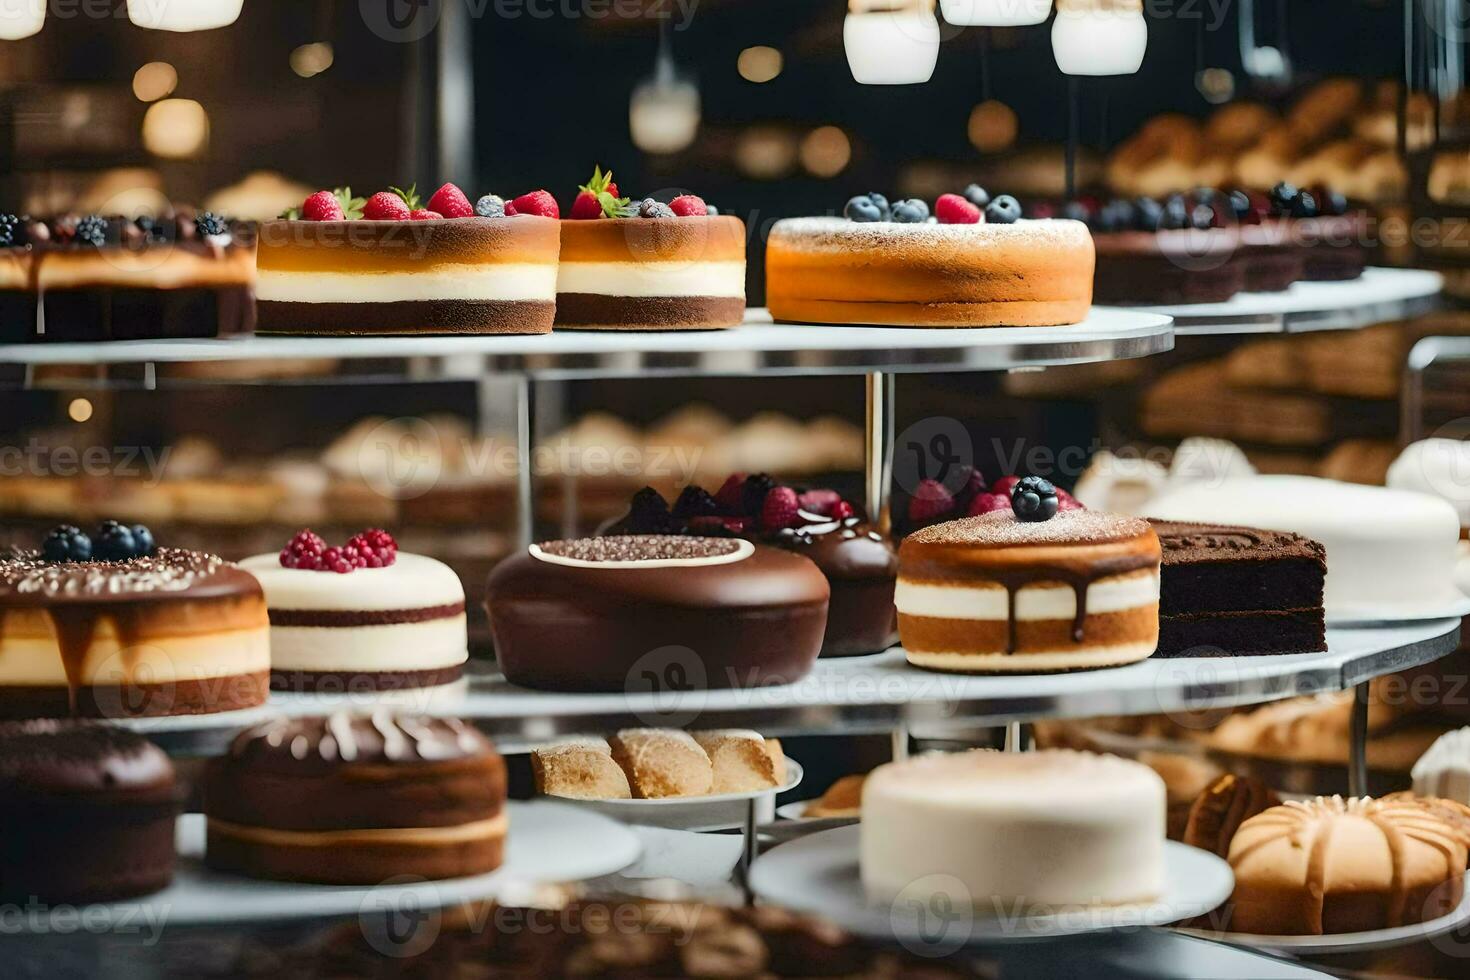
(404, 623)
(510, 281)
(832, 270)
(1444, 771)
(1050, 828)
(1390, 553)
(992, 594)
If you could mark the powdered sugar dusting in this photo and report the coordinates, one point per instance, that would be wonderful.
(1002, 528)
(840, 234)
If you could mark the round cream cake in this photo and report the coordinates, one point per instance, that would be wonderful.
(1051, 828)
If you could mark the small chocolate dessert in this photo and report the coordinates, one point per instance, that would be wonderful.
(87, 812)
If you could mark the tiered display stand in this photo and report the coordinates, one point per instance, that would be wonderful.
(873, 694)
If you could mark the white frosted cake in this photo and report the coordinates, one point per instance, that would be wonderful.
(1053, 828)
(401, 625)
(1390, 553)
(1444, 771)
(1439, 467)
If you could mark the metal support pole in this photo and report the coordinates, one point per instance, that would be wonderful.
(900, 737)
(750, 849)
(525, 446)
(1074, 99)
(1018, 737)
(1358, 748)
(878, 462)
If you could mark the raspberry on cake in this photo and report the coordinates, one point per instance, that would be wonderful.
(890, 264)
(108, 625)
(1014, 591)
(360, 616)
(628, 265)
(342, 265)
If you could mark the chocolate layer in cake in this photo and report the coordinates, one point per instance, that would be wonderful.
(127, 313)
(1239, 591)
(447, 316)
(1136, 267)
(593, 311)
(88, 813)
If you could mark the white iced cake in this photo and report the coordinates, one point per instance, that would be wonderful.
(1444, 771)
(1050, 828)
(1391, 554)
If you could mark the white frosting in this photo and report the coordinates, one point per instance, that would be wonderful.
(1440, 467)
(1080, 657)
(411, 582)
(653, 278)
(1054, 827)
(1444, 771)
(1389, 552)
(743, 549)
(506, 282)
(431, 645)
(987, 600)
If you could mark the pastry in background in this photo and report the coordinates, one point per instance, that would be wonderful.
(579, 769)
(741, 761)
(662, 762)
(1217, 814)
(844, 798)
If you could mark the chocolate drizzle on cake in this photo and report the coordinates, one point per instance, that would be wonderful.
(640, 547)
(343, 737)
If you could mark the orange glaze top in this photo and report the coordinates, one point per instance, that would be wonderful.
(695, 239)
(154, 267)
(1084, 543)
(406, 246)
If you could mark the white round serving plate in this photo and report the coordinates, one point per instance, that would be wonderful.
(1450, 607)
(796, 813)
(819, 874)
(1346, 942)
(438, 699)
(698, 813)
(547, 843)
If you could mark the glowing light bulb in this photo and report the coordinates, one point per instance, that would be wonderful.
(183, 15)
(21, 18)
(1099, 37)
(995, 13)
(664, 115)
(891, 42)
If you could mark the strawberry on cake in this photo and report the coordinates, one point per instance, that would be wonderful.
(361, 616)
(646, 265)
(392, 264)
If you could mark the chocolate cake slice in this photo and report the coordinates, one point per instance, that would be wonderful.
(1239, 591)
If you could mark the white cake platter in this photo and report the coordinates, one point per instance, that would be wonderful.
(725, 811)
(819, 874)
(1349, 942)
(796, 813)
(1378, 296)
(547, 843)
(1365, 616)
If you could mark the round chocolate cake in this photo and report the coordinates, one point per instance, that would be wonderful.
(861, 567)
(175, 632)
(87, 810)
(595, 614)
(357, 799)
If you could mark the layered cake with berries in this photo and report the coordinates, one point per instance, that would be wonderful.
(1325, 231)
(962, 493)
(1180, 250)
(974, 265)
(619, 613)
(647, 265)
(357, 800)
(362, 616)
(110, 625)
(860, 564)
(110, 278)
(390, 265)
(89, 813)
(1029, 590)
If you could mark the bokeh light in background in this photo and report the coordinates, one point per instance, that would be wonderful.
(176, 129)
(826, 152)
(1217, 85)
(663, 115)
(80, 410)
(155, 80)
(760, 64)
(311, 59)
(21, 18)
(993, 126)
(183, 15)
(765, 152)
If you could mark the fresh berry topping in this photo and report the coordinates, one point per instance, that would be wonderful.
(386, 206)
(1176, 213)
(114, 542)
(1114, 216)
(739, 525)
(1331, 202)
(841, 511)
(510, 209)
(333, 560)
(819, 501)
(424, 214)
(709, 526)
(729, 495)
(779, 509)
(649, 513)
(688, 206)
(1148, 214)
(1005, 485)
(1202, 217)
(585, 207)
(537, 202)
(211, 225)
(304, 551)
(1305, 206)
(1034, 500)
(1065, 501)
(598, 198)
(143, 543)
(91, 230)
(654, 209)
(66, 543)
(951, 209)
(910, 212)
(450, 202)
(1283, 198)
(753, 493)
(973, 486)
(322, 206)
(931, 502)
(373, 548)
(986, 503)
(1240, 205)
(490, 206)
(9, 230)
(695, 502)
(1042, 209)
(977, 196)
(863, 209)
(1004, 210)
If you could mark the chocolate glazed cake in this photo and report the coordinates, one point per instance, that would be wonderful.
(861, 567)
(88, 813)
(1239, 591)
(592, 614)
(355, 800)
(177, 632)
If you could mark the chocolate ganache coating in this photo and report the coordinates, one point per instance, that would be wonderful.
(861, 565)
(588, 614)
(27, 580)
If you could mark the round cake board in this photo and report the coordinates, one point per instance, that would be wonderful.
(796, 813)
(1349, 942)
(547, 843)
(1450, 608)
(819, 874)
(700, 813)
